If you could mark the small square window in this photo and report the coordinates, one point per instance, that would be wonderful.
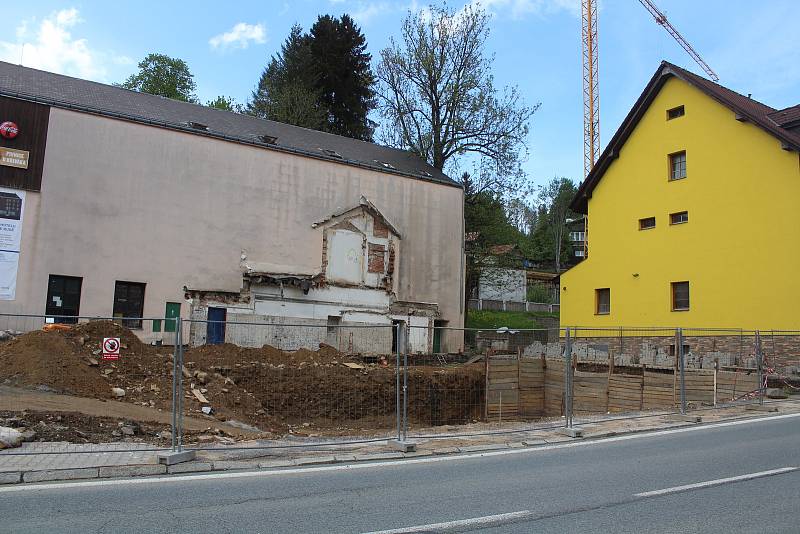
(647, 223)
(674, 113)
(602, 301)
(679, 218)
(677, 165)
(680, 296)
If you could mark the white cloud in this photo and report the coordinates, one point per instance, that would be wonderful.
(240, 36)
(366, 11)
(51, 47)
(520, 8)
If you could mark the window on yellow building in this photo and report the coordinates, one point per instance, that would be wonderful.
(602, 299)
(647, 223)
(679, 217)
(677, 165)
(680, 296)
(674, 113)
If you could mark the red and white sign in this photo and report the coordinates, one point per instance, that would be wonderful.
(111, 348)
(9, 130)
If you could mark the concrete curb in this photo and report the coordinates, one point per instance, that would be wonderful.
(124, 471)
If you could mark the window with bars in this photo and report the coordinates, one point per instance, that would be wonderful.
(602, 301)
(680, 296)
(647, 223)
(679, 217)
(677, 165)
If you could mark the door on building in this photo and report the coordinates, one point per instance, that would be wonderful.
(171, 314)
(398, 331)
(129, 303)
(63, 298)
(215, 328)
(437, 336)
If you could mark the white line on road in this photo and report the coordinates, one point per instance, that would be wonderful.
(390, 463)
(717, 482)
(450, 526)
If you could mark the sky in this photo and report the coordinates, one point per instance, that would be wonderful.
(536, 46)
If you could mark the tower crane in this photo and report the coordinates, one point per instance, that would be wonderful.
(591, 101)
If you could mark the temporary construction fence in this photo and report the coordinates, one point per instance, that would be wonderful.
(350, 383)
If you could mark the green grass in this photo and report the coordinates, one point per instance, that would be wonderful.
(495, 319)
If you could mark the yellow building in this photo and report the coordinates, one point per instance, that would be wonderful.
(692, 214)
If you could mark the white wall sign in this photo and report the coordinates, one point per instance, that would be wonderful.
(12, 205)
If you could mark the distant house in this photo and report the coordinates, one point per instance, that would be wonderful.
(503, 275)
(577, 238)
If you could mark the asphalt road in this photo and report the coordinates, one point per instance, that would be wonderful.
(589, 487)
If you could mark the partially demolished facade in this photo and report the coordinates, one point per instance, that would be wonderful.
(141, 206)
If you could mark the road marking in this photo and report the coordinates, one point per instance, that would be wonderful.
(717, 482)
(390, 463)
(450, 526)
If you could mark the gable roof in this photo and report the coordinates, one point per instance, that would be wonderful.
(76, 94)
(765, 117)
(365, 204)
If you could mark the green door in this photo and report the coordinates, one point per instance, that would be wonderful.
(172, 313)
(437, 336)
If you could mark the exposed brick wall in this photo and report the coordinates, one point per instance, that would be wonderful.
(379, 229)
(376, 262)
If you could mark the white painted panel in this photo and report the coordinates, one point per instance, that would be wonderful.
(345, 257)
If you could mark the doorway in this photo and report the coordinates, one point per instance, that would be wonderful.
(215, 327)
(63, 298)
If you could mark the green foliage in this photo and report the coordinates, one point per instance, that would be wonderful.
(539, 293)
(225, 103)
(320, 80)
(488, 319)
(549, 240)
(344, 76)
(165, 76)
(438, 96)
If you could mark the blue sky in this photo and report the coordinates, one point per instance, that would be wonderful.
(536, 44)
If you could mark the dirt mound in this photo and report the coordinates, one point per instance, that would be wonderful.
(69, 361)
(304, 391)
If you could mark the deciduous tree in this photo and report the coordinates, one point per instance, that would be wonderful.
(438, 98)
(165, 76)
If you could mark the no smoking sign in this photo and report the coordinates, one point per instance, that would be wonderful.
(111, 348)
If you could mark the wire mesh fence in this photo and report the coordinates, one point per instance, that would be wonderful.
(214, 382)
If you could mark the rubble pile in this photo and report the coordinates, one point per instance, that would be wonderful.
(303, 392)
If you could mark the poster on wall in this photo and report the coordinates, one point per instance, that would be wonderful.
(12, 204)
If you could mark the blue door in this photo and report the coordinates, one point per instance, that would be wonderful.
(215, 328)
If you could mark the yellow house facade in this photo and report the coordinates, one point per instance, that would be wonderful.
(692, 214)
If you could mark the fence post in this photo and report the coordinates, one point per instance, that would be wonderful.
(176, 370)
(760, 367)
(405, 380)
(682, 365)
(179, 391)
(398, 348)
(568, 378)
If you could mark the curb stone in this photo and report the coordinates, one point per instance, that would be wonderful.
(132, 471)
(315, 460)
(190, 467)
(481, 448)
(13, 477)
(61, 474)
(225, 465)
(276, 463)
(379, 456)
(446, 450)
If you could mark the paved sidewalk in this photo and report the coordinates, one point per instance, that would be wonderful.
(65, 461)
